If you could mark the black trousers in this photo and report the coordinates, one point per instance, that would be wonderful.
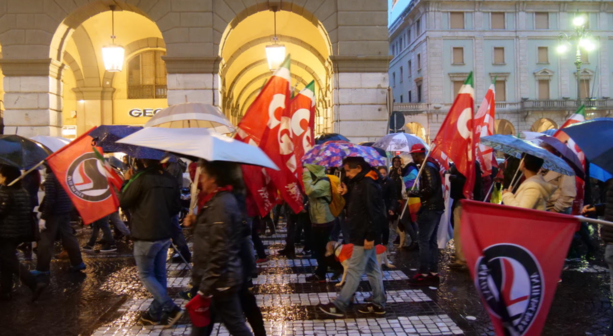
(229, 308)
(321, 236)
(295, 221)
(9, 265)
(256, 224)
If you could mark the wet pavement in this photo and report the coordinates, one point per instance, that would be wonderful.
(108, 298)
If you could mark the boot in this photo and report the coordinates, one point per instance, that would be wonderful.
(387, 262)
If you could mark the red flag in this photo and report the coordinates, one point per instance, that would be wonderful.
(515, 266)
(455, 139)
(267, 124)
(302, 114)
(84, 178)
(484, 122)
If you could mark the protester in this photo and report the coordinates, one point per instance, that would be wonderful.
(109, 241)
(31, 183)
(257, 226)
(396, 173)
(562, 199)
(432, 206)
(55, 213)
(318, 189)
(389, 189)
(152, 197)
(219, 236)
(176, 170)
(16, 227)
(294, 221)
(534, 192)
(365, 212)
(457, 181)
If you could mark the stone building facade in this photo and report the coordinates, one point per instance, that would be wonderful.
(209, 51)
(435, 44)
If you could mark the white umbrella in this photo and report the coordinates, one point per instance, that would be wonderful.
(192, 115)
(199, 142)
(51, 142)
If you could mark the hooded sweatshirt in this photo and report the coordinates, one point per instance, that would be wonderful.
(533, 193)
(317, 188)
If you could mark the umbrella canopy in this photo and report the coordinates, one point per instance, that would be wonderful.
(201, 143)
(22, 152)
(51, 142)
(370, 144)
(332, 153)
(567, 154)
(192, 115)
(599, 173)
(399, 142)
(330, 137)
(594, 138)
(106, 136)
(516, 147)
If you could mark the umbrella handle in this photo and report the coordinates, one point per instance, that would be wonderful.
(517, 171)
(26, 173)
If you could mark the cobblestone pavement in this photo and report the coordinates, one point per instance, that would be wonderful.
(108, 298)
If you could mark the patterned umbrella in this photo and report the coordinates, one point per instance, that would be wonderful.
(398, 142)
(332, 153)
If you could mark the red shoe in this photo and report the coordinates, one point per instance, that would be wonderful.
(420, 280)
(263, 260)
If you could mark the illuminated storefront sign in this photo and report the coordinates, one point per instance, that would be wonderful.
(137, 113)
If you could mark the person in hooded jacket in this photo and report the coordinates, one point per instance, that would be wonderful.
(534, 192)
(389, 189)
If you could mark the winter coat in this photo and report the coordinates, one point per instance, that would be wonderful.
(533, 193)
(15, 214)
(218, 240)
(56, 201)
(457, 181)
(606, 210)
(365, 208)
(398, 181)
(317, 188)
(564, 196)
(390, 194)
(430, 189)
(152, 198)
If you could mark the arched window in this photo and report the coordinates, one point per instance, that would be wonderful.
(543, 125)
(417, 129)
(147, 75)
(502, 126)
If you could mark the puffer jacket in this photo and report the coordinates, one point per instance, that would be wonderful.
(365, 208)
(56, 201)
(430, 189)
(533, 193)
(606, 210)
(319, 192)
(218, 239)
(15, 214)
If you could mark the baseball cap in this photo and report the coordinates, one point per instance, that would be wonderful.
(418, 148)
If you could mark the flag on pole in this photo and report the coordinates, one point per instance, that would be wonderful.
(577, 117)
(302, 114)
(111, 174)
(84, 178)
(455, 140)
(484, 121)
(516, 266)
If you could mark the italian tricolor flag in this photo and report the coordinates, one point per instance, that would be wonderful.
(578, 117)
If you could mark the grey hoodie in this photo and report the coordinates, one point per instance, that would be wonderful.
(533, 193)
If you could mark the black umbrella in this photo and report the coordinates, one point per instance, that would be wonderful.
(370, 144)
(22, 152)
(330, 137)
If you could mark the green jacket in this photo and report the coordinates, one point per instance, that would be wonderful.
(319, 194)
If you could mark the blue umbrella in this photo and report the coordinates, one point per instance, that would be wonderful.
(599, 173)
(330, 137)
(106, 136)
(594, 138)
(370, 144)
(515, 146)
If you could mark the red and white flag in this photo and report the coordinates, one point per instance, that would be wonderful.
(267, 124)
(302, 114)
(455, 140)
(516, 266)
(84, 178)
(484, 121)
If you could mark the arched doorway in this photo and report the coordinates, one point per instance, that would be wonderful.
(543, 125)
(244, 68)
(503, 126)
(417, 129)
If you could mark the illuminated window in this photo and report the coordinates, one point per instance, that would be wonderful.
(147, 76)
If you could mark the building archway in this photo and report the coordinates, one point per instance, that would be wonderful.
(416, 129)
(543, 125)
(503, 126)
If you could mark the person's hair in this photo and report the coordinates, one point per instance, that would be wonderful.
(354, 162)
(225, 173)
(532, 163)
(149, 163)
(396, 158)
(10, 173)
(383, 167)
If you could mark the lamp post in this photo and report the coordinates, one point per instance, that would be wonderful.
(583, 40)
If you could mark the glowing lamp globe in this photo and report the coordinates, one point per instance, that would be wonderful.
(275, 54)
(113, 56)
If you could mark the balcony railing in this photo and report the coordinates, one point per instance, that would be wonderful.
(146, 91)
(528, 105)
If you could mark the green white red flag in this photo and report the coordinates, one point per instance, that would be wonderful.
(456, 138)
(84, 178)
(484, 121)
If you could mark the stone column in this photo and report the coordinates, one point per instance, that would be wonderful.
(94, 107)
(360, 94)
(193, 80)
(32, 99)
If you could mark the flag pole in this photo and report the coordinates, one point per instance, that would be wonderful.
(595, 221)
(490, 191)
(406, 204)
(517, 171)
(26, 173)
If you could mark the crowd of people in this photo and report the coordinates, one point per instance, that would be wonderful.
(345, 225)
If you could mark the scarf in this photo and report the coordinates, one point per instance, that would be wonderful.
(203, 198)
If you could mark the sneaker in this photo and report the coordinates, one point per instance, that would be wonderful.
(109, 248)
(371, 309)
(37, 273)
(146, 319)
(434, 278)
(87, 248)
(261, 260)
(315, 278)
(78, 268)
(420, 280)
(170, 318)
(38, 290)
(330, 309)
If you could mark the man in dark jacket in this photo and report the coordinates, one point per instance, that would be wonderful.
(430, 191)
(55, 211)
(389, 188)
(365, 213)
(152, 197)
(176, 170)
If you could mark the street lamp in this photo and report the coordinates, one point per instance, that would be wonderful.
(113, 54)
(275, 53)
(583, 41)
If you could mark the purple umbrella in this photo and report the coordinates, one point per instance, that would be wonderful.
(331, 154)
(566, 153)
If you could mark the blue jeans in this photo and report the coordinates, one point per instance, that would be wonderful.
(151, 264)
(428, 221)
(362, 261)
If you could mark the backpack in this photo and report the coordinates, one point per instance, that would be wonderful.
(337, 201)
